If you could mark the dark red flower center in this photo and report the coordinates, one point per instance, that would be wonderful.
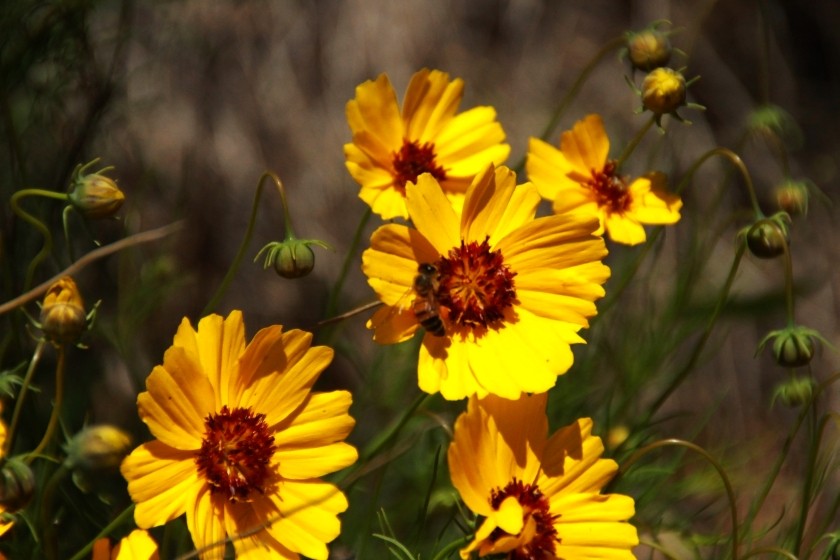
(475, 285)
(413, 160)
(610, 189)
(236, 453)
(535, 506)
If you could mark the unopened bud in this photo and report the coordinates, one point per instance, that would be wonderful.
(795, 392)
(792, 197)
(63, 316)
(663, 91)
(648, 49)
(793, 346)
(617, 435)
(17, 485)
(767, 238)
(291, 258)
(98, 448)
(94, 195)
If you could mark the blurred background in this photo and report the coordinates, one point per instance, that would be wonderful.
(191, 101)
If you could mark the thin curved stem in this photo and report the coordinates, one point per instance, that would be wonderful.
(769, 550)
(56, 411)
(735, 160)
(703, 453)
(332, 302)
(24, 388)
(237, 260)
(46, 248)
(450, 548)
(47, 502)
(808, 481)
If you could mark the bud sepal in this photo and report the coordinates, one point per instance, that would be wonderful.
(291, 258)
(793, 346)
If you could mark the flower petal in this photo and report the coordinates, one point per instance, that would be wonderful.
(138, 545)
(392, 324)
(652, 204)
(178, 399)
(220, 343)
(161, 481)
(206, 523)
(391, 262)
(375, 110)
(549, 170)
(586, 146)
(430, 102)
(432, 214)
(624, 229)
(495, 206)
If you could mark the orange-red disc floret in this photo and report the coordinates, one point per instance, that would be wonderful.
(236, 453)
(476, 286)
(610, 189)
(535, 505)
(413, 160)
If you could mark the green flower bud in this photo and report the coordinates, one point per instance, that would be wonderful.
(792, 197)
(795, 392)
(94, 195)
(98, 448)
(291, 258)
(648, 49)
(63, 318)
(767, 237)
(17, 485)
(772, 121)
(793, 346)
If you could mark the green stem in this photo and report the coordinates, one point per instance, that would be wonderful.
(332, 302)
(733, 512)
(701, 344)
(808, 482)
(770, 550)
(119, 520)
(24, 388)
(633, 143)
(735, 160)
(234, 267)
(56, 411)
(50, 537)
(788, 264)
(46, 248)
(451, 547)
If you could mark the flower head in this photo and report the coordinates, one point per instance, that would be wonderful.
(63, 317)
(95, 195)
(6, 522)
(580, 178)
(509, 292)
(540, 496)
(392, 148)
(242, 441)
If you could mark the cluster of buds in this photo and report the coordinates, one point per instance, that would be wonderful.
(663, 89)
(63, 318)
(94, 195)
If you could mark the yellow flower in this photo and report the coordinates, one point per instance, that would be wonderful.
(391, 148)
(580, 178)
(63, 317)
(5, 522)
(242, 441)
(502, 295)
(540, 496)
(138, 545)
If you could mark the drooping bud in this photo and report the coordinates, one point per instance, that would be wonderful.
(767, 237)
(291, 258)
(793, 346)
(63, 316)
(648, 49)
(792, 197)
(98, 448)
(795, 392)
(663, 91)
(617, 435)
(17, 485)
(94, 195)
(772, 121)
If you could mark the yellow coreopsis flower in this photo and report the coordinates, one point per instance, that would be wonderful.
(138, 545)
(501, 294)
(5, 523)
(242, 441)
(580, 178)
(540, 496)
(392, 147)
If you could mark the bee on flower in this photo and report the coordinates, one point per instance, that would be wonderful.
(501, 294)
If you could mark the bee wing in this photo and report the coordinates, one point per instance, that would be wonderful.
(395, 323)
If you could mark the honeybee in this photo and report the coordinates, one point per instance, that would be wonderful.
(426, 307)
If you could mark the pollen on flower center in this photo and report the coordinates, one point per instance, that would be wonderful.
(610, 189)
(236, 453)
(475, 285)
(535, 506)
(413, 160)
